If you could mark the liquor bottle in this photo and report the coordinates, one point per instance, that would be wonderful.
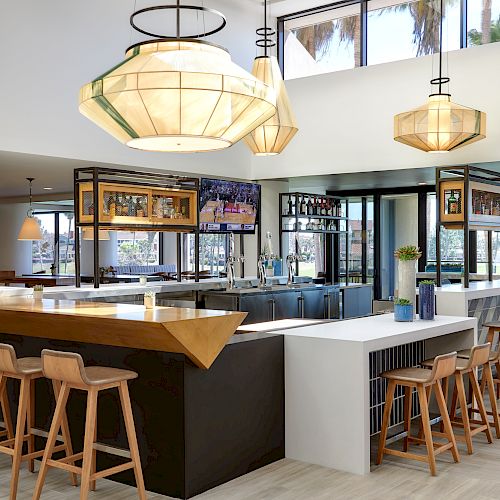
(303, 206)
(290, 205)
(323, 207)
(330, 208)
(315, 206)
(309, 225)
(139, 209)
(452, 204)
(309, 207)
(111, 205)
(496, 210)
(125, 207)
(91, 209)
(131, 206)
(119, 206)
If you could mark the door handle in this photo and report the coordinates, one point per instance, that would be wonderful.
(326, 309)
(273, 309)
(301, 306)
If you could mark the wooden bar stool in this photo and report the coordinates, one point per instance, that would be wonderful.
(421, 379)
(487, 379)
(27, 370)
(69, 369)
(479, 356)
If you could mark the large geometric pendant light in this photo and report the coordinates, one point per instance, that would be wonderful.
(177, 94)
(273, 136)
(440, 125)
(30, 230)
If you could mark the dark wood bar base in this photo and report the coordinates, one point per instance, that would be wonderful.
(196, 428)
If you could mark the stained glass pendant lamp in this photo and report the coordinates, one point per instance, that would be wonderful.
(272, 137)
(440, 125)
(177, 93)
(30, 230)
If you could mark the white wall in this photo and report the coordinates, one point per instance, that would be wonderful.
(345, 118)
(50, 49)
(108, 254)
(14, 255)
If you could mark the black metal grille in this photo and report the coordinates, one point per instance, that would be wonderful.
(403, 356)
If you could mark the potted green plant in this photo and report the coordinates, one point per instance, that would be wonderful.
(150, 300)
(407, 272)
(38, 292)
(403, 310)
(426, 299)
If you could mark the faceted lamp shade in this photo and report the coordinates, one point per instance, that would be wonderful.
(30, 230)
(179, 96)
(440, 125)
(272, 137)
(88, 234)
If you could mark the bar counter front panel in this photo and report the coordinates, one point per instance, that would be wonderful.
(197, 428)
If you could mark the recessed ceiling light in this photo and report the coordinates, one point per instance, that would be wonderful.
(422, 183)
(48, 188)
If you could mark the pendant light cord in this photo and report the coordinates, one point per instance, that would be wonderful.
(266, 32)
(440, 80)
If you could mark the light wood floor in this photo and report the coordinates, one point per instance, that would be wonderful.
(477, 477)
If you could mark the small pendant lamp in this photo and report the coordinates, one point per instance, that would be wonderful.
(30, 230)
(272, 137)
(440, 125)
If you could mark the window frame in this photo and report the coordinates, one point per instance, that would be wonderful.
(280, 26)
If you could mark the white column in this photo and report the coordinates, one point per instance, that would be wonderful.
(108, 253)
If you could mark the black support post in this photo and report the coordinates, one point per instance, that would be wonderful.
(490, 255)
(179, 257)
(377, 257)
(364, 239)
(95, 201)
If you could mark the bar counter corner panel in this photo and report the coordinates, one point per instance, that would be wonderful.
(197, 428)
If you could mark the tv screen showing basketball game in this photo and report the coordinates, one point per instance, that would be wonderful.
(228, 206)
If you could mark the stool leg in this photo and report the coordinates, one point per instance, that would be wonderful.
(389, 398)
(88, 445)
(488, 377)
(31, 424)
(56, 385)
(407, 417)
(426, 424)
(132, 438)
(19, 438)
(447, 428)
(480, 404)
(51, 440)
(94, 458)
(4, 402)
(444, 389)
(465, 414)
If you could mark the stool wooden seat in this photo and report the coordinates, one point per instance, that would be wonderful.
(27, 370)
(421, 379)
(479, 356)
(69, 369)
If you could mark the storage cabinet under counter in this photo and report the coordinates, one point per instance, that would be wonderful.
(278, 303)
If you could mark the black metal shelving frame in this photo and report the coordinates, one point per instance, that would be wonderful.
(99, 175)
(465, 174)
(332, 237)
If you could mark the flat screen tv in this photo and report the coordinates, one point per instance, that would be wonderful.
(228, 207)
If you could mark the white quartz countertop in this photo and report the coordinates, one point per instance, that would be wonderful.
(476, 289)
(380, 332)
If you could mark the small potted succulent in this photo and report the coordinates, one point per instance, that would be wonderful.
(150, 300)
(403, 310)
(426, 300)
(143, 280)
(38, 292)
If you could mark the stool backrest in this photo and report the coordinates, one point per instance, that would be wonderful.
(444, 366)
(64, 366)
(479, 355)
(8, 359)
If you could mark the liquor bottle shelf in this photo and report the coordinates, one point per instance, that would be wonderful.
(305, 216)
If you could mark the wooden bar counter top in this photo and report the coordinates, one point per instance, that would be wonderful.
(200, 334)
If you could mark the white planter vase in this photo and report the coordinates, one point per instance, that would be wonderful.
(407, 281)
(38, 294)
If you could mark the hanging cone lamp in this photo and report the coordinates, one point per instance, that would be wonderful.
(273, 136)
(177, 93)
(30, 230)
(440, 125)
